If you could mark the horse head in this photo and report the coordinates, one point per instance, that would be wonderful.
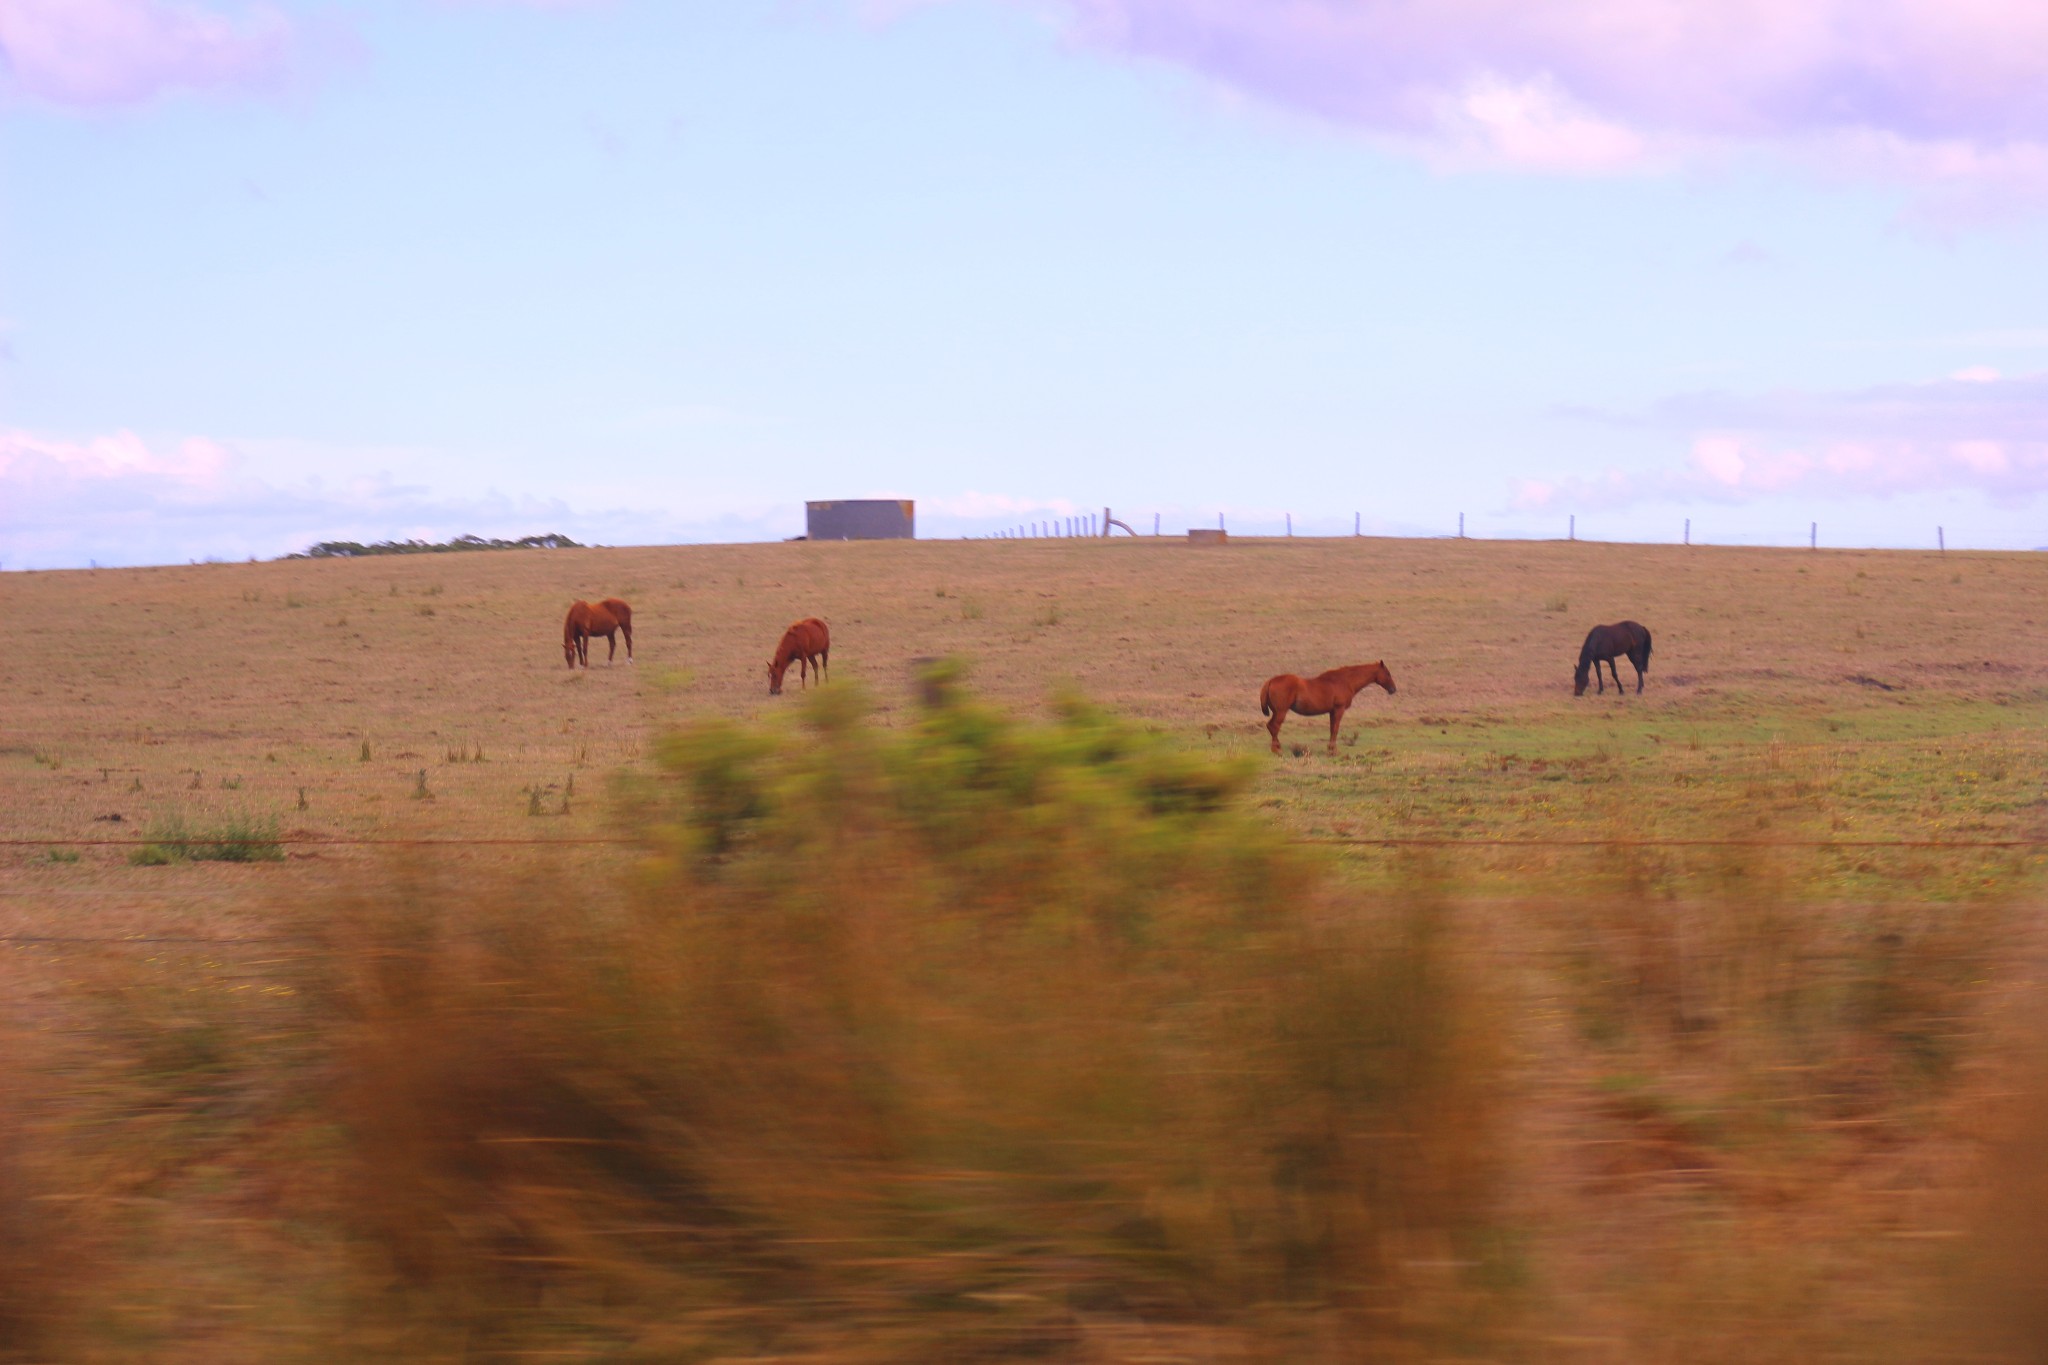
(1579, 679)
(775, 677)
(1385, 678)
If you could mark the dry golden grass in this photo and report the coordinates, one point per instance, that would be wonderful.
(1742, 1094)
(272, 676)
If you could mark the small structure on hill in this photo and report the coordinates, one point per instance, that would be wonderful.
(861, 519)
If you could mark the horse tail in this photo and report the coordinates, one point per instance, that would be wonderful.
(1646, 649)
(1266, 700)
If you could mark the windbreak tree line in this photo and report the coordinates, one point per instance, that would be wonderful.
(350, 549)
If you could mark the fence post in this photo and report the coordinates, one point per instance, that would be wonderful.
(1155, 523)
(1219, 521)
(1688, 530)
(1290, 525)
(1572, 528)
(1461, 525)
(1940, 540)
(1813, 536)
(1356, 517)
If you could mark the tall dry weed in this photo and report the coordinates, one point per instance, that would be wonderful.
(956, 1043)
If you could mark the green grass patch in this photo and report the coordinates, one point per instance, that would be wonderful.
(239, 839)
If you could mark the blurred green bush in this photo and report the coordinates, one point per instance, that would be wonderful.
(965, 1039)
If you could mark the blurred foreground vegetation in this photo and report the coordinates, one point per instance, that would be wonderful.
(982, 1040)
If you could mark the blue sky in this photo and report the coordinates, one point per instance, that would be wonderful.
(645, 273)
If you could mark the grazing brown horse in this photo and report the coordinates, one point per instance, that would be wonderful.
(605, 618)
(1325, 694)
(1606, 643)
(808, 645)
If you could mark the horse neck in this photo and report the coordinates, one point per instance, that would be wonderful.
(1357, 677)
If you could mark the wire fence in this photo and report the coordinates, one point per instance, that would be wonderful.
(1387, 842)
(573, 841)
(1563, 526)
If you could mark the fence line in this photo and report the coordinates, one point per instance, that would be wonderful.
(573, 841)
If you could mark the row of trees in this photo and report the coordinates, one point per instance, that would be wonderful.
(350, 549)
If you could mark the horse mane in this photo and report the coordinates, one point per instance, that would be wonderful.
(1377, 668)
(579, 612)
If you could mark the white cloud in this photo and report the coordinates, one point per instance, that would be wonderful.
(115, 52)
(1977, 431)
(1950, 95)
(119, 498)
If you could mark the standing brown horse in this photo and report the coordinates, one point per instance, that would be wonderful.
(585, 620)
(807, 644)
(1325, 694)
(1604, 644)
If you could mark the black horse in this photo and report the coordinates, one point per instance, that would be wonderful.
(1608, 643)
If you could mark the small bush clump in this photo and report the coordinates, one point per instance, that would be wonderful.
(240, 839)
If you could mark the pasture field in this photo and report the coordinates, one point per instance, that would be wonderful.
(1792, 695)
(1753, 954)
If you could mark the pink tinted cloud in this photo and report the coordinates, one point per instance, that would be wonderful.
(118, 52)
(1974, 431)
(120, 498)
(1956, 88)
(32, 466)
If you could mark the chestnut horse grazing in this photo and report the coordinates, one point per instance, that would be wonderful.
(605, 618)
(807, 644)
(1327, 694)
(1606, 643)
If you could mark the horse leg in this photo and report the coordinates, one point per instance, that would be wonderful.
(629, 641)
(1273, 726)
(611, 648)
(824, 657)
(1639, 673)
(1336, 719)
(1615, 669)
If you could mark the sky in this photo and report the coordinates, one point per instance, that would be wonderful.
(644, 272)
